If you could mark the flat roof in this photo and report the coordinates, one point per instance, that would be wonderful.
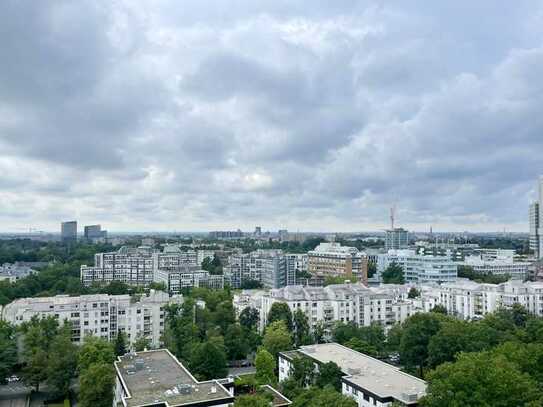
(156, 376)
(368, 373)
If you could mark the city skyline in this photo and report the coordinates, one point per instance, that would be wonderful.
(302, 116)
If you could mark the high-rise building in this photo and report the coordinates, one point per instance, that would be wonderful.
(540, 230)
(534, 228)
(268, 267)
(93, 233)
(68, 231)
(396, 238)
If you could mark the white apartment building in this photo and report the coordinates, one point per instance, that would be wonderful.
(470, 300)
(419, 268)
(176, 279)
(369, 381)
(500, 266)
(330, 259)
(100, 315)
(269, 267)
(339, 303)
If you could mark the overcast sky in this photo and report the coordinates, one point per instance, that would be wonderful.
(308, 115)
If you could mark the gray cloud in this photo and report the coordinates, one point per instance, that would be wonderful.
(161, 115)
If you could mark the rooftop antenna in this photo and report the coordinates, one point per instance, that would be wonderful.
(392, 216)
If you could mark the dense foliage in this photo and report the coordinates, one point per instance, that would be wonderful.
(393, 274)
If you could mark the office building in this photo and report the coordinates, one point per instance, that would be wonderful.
(396, 238)
(100, 315)
(500, 266)
(157, 378)
(369, 381)
(68, 231)
(94, 234)
(283, 235)
(418, 268)
(339, 303)
(333, 260)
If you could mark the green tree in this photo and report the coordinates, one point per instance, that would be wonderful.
(326, 397)
(265, 367)
(413, 293)
(96, 385)
(8, 349)
(249, 318)
(372, 269)
(393, 274)
(236, 343)
(208, 361)
(280, 311)
(301, 328)
(319, 332)
(416, 334)
(252, 400)
(141, 343)
(362, 346)
(277, 338)
(224, 315)
(95, 350)
(439, 309)
(303, 371)
(62, 362)
(329, 374)
(38, 333)
(120, 344)
(476, 379)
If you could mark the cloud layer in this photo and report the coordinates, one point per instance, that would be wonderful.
(309, 115)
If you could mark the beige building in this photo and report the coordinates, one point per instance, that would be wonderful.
(334, 260)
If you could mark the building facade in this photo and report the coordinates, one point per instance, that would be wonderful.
(419, 268)
(68, 231)
(397, 238)
(333, 260)
(534, 228)
(500, 266)
(369, 381)
(469, 300)
(268, 267)
(100, 315)
(339, 303)
(176, 279)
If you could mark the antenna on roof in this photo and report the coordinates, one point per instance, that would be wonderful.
(392, 216)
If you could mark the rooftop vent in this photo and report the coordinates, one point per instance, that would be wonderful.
(410, 396)
(184, 388)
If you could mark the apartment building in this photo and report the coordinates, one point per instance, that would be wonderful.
(12, 272)
(333, 260)
(418, 268)
(339, 303)
(470, 300)
(296, 267)
(133, 266)
(369, 381)
(157, 378)
(269, 267)
(100, 315)
(175, 279)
